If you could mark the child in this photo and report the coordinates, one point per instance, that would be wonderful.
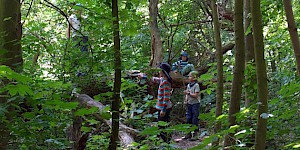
(182, 66)
(74, 29)
(163, 104)
(193, 103)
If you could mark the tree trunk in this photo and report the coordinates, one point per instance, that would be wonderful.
(262, 85)
(117, 84)
(75, 132)
(238, 74)
(219, 56)
(10, 31)
(293, 31)
(11, 53)
(249, 57)
(156, 43)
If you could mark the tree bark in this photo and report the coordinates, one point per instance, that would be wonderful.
(249, 57)
(156, 43)
(238, 74)
(219, 56)
(292, 27)
(117, 84)
(10, 55)
(75, 132)
(262, 85)
(10, 31)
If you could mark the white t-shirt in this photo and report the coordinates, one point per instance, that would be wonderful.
(75, 23)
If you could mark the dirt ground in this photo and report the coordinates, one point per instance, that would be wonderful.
(185, 144)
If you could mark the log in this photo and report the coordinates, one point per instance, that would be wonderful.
(178, 80)
(126, 139)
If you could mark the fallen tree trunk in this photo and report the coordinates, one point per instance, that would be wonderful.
(126, 139)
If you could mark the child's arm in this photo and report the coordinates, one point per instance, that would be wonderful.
(174, 65)
(195, 95)
(156, 80)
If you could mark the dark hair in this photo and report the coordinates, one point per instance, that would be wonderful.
(184, 53)
(166, 70)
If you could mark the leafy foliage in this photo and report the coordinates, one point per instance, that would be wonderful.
(42, 108)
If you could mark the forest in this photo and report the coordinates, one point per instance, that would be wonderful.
(76, 74)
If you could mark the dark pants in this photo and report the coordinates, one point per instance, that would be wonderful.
(81, 42)
(192, 114)
(164, 135)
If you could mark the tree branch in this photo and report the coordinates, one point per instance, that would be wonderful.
(125, 138)
(27, 14)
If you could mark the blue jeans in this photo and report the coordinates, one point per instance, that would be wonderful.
(192, 114)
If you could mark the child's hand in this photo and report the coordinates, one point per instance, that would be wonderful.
(186, 92)
(162, 114)
(140, 76)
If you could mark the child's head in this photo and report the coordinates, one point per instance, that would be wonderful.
(193, 76)
(165, 70)
(184, 56)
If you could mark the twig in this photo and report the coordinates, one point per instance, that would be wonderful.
(27, 14)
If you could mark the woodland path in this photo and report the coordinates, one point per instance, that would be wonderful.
(185, 144)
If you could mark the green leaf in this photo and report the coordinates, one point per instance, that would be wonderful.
(24, 89)
(181, 127)
(105, 115)
(233, 128)
(249, 29)
(162, 123)
(144, 147)
(93, 121)
(84, 111)
(208, 91)
(12, 90)
(29, 115)
(151, 131)
(69, 105)
(3, 110)
(205, 77)
(86, 129)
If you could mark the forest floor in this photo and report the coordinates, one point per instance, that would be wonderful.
(185, 144)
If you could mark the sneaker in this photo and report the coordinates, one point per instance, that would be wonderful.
(189, 135)
(194, 137)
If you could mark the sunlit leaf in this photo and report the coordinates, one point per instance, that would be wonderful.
(163, 123)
